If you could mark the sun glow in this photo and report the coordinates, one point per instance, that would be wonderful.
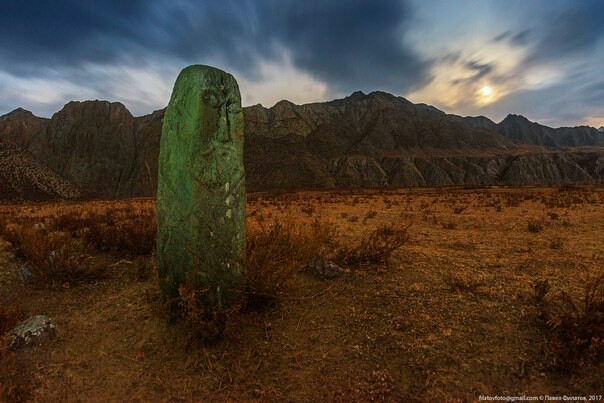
(486, 91)
(486, 95)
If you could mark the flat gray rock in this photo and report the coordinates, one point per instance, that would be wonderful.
(31, 331)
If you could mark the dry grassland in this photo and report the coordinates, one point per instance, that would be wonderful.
(445, 294)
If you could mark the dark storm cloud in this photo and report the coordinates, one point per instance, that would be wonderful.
(357, 44)
(47, 34)
(481, 69)
(520, 38)
(351, 45)
(570, 30)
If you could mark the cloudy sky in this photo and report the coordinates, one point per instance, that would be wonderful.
(543, 59)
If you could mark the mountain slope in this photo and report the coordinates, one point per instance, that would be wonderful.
(18, 127)
(24, 177)
(374, 140)
(91, 144)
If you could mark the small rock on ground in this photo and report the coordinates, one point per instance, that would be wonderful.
(24, 273)
(30, 331)
(322, 269)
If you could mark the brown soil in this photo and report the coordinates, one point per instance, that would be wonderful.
(450, 316)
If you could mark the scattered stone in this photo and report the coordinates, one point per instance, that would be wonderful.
(322, 269)
(32, 330)
(201, 192)
(24, 274)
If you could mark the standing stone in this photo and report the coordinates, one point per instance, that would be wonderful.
(201, 190)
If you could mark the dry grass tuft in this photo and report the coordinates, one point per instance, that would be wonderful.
(534, 226)
(131, 233)
(54, 257)
(575, 331)
(276, 251)
(376, 247)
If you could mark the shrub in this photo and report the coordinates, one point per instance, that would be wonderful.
(556, 243)
(448, 225)
(376, 247)
(369, 215)
(458, 210)
(575, 331)
(540, 289)
(276, 251)
(133, 233)
(534, 226)
(53, 256)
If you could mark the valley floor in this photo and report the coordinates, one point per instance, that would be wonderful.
(453, 314)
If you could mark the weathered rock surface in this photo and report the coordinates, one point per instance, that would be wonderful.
(18, 128)
(323, 269)
(201, 189)
(360, 141)
(91, 144)
(31, 331)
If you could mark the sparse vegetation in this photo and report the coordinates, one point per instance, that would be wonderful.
(534, 226)
(486, 297)
(448, 225)
(278, 250)
(575, 330)
(54, 257)
(376, 247)
(131, 233)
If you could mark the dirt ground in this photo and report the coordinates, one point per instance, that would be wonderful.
(451, 316)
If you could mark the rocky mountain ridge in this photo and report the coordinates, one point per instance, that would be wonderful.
(364, 140)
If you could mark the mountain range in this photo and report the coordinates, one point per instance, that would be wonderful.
(97, 149)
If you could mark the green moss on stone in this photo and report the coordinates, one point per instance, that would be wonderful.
(201, 191)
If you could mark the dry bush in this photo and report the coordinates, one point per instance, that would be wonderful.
(556, 243)
(534, 226)
(369, 215)
(448, 225)
(376, 247)
(54, 257)
(132, 233)
(276, 251)
(575, 331)
(540, 289)
(308, 209)
(353, 218)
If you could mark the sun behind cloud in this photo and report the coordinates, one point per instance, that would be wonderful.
(486, 94)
